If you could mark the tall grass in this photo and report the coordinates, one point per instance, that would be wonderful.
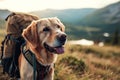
(88, 63)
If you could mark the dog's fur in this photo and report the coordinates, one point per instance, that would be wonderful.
(48, 31)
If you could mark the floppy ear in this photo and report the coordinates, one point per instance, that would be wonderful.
(30, 34)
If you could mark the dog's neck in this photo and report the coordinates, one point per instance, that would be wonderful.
(43, 56)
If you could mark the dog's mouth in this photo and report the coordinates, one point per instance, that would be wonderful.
(57, 50)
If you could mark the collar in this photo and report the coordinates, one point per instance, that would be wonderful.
(30, 57)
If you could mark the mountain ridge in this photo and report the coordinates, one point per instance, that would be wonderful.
(66, 15)
(88, 22)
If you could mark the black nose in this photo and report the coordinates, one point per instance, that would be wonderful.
(62, 38)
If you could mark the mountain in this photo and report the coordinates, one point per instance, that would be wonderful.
(107, 18)
(4, 14)
(70, 16)
(86, 23)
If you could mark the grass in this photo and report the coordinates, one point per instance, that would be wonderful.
(2, 34)
(89, 63)
(84, 63)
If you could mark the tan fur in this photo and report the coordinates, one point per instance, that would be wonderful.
(35, 37)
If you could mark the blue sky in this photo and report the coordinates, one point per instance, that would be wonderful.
(32, 5)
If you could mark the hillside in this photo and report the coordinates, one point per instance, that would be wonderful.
(70, 17)
(67, 15)
(84, 23)
(4, 14)
(87, 23)
(107, 18)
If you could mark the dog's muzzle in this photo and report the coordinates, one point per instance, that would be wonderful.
(62, 39)
(58, 49)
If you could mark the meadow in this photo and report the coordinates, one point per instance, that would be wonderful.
(2, 34)
(86, 63)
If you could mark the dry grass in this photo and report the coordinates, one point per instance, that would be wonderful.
(87, 63)
(101, 63)
(2, 34)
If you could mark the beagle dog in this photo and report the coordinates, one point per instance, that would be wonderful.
(45, 38)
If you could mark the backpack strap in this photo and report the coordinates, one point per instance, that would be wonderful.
(27, 54)
(2, 48)
(12, 14)
(10, 37)
(7, 37)
(41, 69)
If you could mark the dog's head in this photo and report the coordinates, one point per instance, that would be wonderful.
(47, 33)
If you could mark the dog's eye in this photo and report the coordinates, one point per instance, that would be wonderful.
(58, 26)
(46, 29)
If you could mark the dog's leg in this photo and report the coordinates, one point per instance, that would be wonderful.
(50, 74)
(26, 70)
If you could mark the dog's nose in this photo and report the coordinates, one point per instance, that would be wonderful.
(62, 38)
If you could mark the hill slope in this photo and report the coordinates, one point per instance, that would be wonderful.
(67, 15)
(84, 23)
(70, 17)
(4, 14)
(108, 18)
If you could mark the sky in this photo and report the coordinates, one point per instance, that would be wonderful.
(34, 5)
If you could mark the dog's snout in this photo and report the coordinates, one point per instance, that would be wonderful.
(62, 38)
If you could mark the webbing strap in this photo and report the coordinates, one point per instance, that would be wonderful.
(27, 54)
(30, 57)
(10, 37)
(41, 69)
(34, 68)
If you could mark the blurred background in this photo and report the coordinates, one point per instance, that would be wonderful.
(93, 29)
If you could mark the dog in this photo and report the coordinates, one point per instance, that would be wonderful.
(45, 38)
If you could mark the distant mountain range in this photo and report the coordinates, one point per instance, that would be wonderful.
(72, 16)
(4, 14)
(87, 23)
(106, 20)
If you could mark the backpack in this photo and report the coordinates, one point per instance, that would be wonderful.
(10, 49)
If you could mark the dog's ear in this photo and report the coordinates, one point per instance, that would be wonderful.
(30, 34)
